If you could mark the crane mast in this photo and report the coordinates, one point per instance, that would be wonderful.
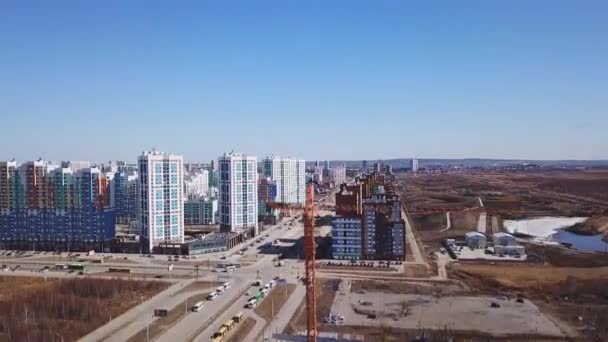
(309, 255)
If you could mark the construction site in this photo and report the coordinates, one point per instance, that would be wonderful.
(555, 293)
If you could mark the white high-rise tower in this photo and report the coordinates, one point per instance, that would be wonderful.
(161, 204)
(290, 176)
(238, 189)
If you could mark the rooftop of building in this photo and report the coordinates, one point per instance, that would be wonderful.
(159, 153)
(502, 234)
(474, 234)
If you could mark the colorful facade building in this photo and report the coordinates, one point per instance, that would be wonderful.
(48, 207)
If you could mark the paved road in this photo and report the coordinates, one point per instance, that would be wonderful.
(264, 266)
(289, 309)
(442, 261)
(480, 202)
(184, 328)
(409, 235)
(449, 223)
(129, 323)
(481, 224)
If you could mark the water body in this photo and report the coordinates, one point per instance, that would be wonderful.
(585, 243)
(553, 229)
(541, 227)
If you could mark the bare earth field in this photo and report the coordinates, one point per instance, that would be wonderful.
(575, 296)
(34, 309)
(398, 311)
(509, 194)
(275, 300)
(242, 331)
(326, 292)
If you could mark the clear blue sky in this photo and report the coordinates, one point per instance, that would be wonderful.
(323, 79)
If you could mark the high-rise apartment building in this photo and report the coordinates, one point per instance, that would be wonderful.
(201, 210)
(377, 167)
(267, 192)
(196, 184)
(414, 165)
(7, 183)
(161, 198)
(337, 175)
(238, 193)
(126, 196)
(290, 177)
(47, 207)
(368, 223)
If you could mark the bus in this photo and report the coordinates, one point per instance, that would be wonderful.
(77, 267)
(238, 317)
(221, 332)
(228, 325)
(226, 285)
(198, 306)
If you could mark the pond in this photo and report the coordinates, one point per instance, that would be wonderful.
(553, 229)
(585, 243)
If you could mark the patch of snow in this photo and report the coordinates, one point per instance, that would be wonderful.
(541, 227)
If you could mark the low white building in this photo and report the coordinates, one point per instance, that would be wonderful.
(512, 250)
(475, 240)
(504, 239)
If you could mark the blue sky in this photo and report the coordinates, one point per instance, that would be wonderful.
(337, 79)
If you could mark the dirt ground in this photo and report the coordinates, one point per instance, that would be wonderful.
(430, 228)
(198, 285)
(68, 307)
(515, 194)
(575, 296)
(391, 334)
(241, 331)
(594, 225)
(326, 292)
(564, 257)
(275, 300)
(424, 288)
